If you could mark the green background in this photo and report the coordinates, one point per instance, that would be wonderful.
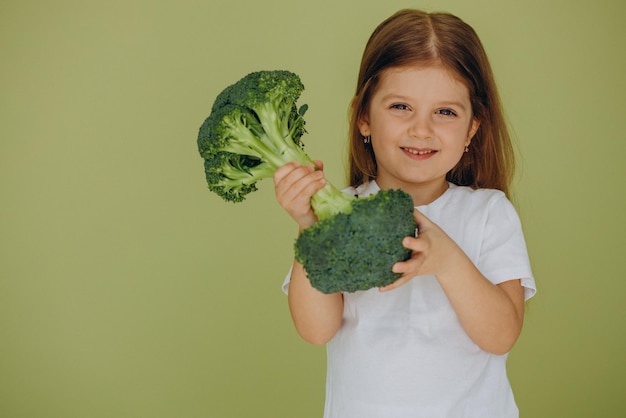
(129, 290)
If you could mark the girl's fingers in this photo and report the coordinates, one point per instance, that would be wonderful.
(295, 184)
(409, 268)
(401, 281)
(292, 178)
(411, 243)
(284, 171)
(303, 185)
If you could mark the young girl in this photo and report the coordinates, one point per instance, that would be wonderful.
(426, 118)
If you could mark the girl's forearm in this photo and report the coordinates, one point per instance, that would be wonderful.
(492, 315)
(317, 316)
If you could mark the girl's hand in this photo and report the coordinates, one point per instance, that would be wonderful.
(492, 315)
(433, 250)
(295, 184)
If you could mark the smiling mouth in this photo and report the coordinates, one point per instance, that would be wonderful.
(419, 152)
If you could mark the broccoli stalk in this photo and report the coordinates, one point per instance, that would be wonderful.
(253, 129)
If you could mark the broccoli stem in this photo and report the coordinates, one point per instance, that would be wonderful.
(329, 201)
(288, 153)
(326, 202)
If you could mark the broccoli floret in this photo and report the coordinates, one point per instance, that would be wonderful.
(253, 129)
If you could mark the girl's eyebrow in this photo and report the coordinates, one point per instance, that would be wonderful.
(443, 103)
(452, 103)
(395, 96)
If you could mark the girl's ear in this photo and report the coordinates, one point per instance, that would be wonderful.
(362, 119)
(473, 129)
(364, 126)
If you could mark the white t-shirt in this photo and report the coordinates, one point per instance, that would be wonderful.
(403, 353)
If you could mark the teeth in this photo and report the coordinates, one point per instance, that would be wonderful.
(416, 152)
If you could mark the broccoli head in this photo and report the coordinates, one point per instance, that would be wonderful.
(254, 128)
(358, 249)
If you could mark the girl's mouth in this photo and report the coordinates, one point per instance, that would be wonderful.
(418, 152)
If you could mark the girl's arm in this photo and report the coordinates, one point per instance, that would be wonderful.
(492, 315)
(317, 316)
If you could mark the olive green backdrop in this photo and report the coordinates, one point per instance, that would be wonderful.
(128, 290)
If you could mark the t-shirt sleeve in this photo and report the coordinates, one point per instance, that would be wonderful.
(503, 255)
(286, 281)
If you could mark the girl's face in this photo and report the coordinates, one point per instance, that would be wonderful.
(420, 120)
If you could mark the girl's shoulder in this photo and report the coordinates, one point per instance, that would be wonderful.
(468, 199)
(479, 205)
(466, 192)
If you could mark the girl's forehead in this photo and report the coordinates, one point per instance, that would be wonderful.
(422, 69)
(420, 76)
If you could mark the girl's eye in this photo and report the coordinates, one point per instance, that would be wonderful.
(446, 112)
(400, 106)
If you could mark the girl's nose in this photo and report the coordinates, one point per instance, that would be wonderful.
(420, 127)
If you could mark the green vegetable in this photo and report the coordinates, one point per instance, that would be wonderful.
(253, 129)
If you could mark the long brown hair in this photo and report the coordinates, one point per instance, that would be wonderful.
(414, 37)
